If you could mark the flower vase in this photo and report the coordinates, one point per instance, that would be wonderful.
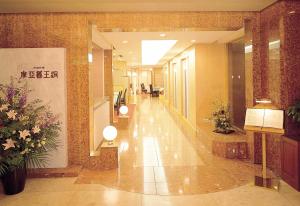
(14, 181)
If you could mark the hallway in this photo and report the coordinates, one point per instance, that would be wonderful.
(159, 165)
(157, 158)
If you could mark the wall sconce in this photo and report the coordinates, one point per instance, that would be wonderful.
(110, 133)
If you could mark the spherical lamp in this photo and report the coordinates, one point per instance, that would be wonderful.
(110, 133)
(123, 110)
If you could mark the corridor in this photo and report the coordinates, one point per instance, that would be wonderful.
(159, 165)
(157, 158)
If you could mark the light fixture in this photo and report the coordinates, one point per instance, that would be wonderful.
(248, 49)
(110, 133)
(193, 41)
(162, 35)
(292, 12)
(274, 44)
(123, 110)
(90, 57)
(154, 50)
(263, 101)
(125, 42)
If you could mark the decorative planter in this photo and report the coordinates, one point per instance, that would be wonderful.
(14, 181)
(290, 161)
(229, 131)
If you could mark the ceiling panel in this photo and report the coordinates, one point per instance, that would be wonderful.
(131, 5)
(128, 44)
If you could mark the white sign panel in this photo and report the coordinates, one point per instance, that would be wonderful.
(45, 71)
(267, 118)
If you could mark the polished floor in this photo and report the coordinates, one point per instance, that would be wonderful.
(159, 165)
(63, 192)
(157, 158)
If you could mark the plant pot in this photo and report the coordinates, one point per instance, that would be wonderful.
(14, 181)
(229, 131)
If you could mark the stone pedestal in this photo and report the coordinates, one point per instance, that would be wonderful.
(106, 158)
(109, 155)
(231, 149)
(123, 122)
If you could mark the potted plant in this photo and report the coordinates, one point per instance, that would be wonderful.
(294, 112)
(221, 119)
(28, 131)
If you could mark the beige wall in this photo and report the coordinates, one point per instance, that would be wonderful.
(189, 55)
(158, 78)
(98, 74)
(120, 78)
(70, 31)
(211, 78)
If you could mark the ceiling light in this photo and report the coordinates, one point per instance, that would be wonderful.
(292, 12)
(90, 57)
(125, 42)
(193, 41)
(162, 35)
(154, 50)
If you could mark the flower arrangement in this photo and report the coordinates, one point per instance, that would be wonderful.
(221, 119)
(28, 130)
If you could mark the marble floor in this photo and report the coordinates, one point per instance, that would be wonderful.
(157, 158)
(63, 192)
(159, 165)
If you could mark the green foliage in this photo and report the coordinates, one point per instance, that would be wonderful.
(221, 118)
(294, 111)
(28, 130)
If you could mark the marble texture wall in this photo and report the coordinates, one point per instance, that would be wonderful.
(71, 31)
(275, 72)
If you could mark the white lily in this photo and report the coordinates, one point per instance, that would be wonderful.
(36, 129)
(9, 144)
(23, 134)
(4, 107)
(11, 114)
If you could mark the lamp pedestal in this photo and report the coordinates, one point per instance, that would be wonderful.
(123, 121)
(264, 181)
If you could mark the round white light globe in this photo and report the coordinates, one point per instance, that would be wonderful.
(110, 133)
(123, 110)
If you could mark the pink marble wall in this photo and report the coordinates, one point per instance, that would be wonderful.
(275, 73)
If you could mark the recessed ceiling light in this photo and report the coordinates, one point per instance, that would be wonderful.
(193, 41)
(292, 12)
(125, 42)
(162, 35)
(154, 50)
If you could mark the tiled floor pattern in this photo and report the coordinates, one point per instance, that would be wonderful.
(157, 158)
(63, 192)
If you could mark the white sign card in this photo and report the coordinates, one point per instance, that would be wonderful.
(45, 71)
(264, 118)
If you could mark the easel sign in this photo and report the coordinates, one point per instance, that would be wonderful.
(265, 118)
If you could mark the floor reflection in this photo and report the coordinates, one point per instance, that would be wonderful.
(156, 157)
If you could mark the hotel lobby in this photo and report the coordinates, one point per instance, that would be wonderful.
(150, 102)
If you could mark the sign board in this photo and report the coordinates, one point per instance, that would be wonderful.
(45, 71)
(264, 120)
